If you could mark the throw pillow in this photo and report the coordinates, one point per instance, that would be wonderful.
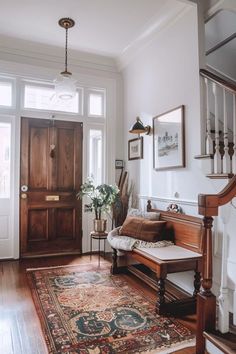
(142, 229)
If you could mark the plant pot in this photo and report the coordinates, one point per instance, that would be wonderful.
(100, 225)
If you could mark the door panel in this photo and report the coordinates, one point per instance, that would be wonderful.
(51, 169)
(65, 174)
(37, 224)
(65, 222)
(38, 167)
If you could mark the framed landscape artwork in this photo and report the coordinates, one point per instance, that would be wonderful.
(135, 149)
(169, 140)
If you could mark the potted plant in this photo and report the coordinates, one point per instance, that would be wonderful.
(102, 197)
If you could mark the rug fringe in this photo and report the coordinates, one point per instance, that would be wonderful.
(67, 265)
(173, 348)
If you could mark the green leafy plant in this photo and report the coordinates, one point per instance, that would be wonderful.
(102, 196)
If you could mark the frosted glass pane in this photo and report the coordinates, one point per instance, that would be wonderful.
(95, 104)
(39, 97)
(5, 94)
(5, 138)
(95, 158)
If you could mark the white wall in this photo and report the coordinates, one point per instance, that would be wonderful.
(164, 75)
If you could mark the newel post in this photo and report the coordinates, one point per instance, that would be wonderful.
(207, 256)
(206, 300)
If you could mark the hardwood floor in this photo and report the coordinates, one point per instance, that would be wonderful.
(20, 330)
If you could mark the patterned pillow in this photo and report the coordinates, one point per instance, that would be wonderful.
(150, 215)
(142, 229)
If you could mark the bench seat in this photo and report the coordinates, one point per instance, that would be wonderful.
(169, 253)
(186, 254)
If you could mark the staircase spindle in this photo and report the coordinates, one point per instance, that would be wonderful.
(234, 135)
(217, 156)
(209, 142)
(226, 157)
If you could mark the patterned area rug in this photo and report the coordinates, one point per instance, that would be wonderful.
(83, 310)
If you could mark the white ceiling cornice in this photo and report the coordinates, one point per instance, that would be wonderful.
(220, 5)
(32, 53)
(167, 16)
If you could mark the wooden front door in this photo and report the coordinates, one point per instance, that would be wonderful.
(51, 175)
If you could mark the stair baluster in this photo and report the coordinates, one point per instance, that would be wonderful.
(217, 157)
(226, 157)
(209, 142)
(234, 135)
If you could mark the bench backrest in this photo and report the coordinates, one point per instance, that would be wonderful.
(185, 230)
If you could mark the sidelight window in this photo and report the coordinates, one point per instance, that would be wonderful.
(95, 155)
(5, 138)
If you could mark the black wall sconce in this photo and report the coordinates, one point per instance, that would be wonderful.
(139, 128)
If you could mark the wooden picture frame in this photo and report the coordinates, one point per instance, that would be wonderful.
(169, 140)
(135, 149)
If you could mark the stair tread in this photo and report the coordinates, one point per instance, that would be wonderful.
(224, 341)
(220, 175)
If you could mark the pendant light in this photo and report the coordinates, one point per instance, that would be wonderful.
(65, 85)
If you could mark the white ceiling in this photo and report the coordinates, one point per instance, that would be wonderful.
(106, 27)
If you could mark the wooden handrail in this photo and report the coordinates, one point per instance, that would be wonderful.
(223, 82)
(208, 204)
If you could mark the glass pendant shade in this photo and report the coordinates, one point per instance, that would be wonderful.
(65, 86)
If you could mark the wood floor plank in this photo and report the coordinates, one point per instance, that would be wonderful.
(19, 323)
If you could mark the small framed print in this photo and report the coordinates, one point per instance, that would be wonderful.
(135, 149)
(169, 140)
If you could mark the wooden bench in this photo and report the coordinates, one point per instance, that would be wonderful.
(186, 232)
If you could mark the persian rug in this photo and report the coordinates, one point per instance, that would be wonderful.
(87, 311)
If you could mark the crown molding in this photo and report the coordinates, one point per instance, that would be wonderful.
(219, 6)
(38, 54)
(165, 18)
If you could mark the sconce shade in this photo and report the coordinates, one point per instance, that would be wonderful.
(139, 128)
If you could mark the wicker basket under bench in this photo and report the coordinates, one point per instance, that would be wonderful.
(186, 232)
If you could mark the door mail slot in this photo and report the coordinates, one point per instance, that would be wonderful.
(52, 198)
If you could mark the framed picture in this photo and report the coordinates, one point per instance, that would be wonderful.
(135, 149)
(169, 140)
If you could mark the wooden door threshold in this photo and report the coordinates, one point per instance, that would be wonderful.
(50, 254)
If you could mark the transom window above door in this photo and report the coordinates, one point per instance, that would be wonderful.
(96, 103)
(6, 93)
(42, 97)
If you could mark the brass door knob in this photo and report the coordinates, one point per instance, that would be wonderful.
(23, 196)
